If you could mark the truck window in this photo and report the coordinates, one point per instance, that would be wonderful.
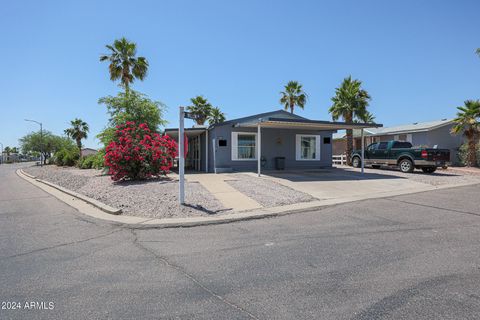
(372, 147)
(401, 144)
(382, 146)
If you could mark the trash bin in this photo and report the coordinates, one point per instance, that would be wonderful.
(280, 163)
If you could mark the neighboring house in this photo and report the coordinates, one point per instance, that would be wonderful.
(431, 134)
(234, 145)
(88, 151)
(12, 157)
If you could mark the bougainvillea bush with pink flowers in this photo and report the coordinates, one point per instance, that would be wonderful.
(138, 153)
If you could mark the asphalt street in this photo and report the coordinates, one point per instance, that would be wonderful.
(406, 257)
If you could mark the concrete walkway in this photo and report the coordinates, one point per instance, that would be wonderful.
(230, 197)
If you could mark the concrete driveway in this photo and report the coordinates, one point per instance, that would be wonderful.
(348, 183)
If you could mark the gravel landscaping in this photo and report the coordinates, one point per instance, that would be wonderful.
(156, 198)
(266, 192)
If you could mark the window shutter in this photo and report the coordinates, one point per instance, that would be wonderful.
(317, 147)
(234, 146)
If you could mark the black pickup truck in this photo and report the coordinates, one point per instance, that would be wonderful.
(402, 155)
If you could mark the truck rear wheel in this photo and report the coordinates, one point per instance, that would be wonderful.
(406, 165)
(356, 162)
(429, 169)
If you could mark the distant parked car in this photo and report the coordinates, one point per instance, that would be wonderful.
(401, 154)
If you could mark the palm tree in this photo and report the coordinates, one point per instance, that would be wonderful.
(367, 118)
(467, 123)
(77, 132)
(293, 96)
(7, 150)
(478, 51)
(124, 64)
(350, 103)
(200, 109)
(14, 150)
(216, 116)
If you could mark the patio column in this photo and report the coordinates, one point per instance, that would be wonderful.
(259, 149)
(363, 152)
(206, 151)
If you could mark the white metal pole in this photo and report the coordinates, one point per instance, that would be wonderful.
(363, 152)
(181, 156)
(259, 149)
(206, 151)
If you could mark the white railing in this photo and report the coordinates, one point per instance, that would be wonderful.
(340, 159)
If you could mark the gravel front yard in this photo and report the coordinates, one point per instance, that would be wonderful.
(266, 192)
(157, 198)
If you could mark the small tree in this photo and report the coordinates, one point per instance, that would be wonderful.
(45, 145)
(133, 107)
(124, 64)
(77, 132)
(293, 96)
(200, 109)
(138, 153)
(467, 123)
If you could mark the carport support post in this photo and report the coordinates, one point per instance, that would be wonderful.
(259, 149)
(363, 151)
(181, 156)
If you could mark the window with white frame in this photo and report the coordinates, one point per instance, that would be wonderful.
(244, 146)
(307, 147)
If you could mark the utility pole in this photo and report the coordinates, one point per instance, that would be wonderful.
(41, 140)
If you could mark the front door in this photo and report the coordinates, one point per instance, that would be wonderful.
(193, 159)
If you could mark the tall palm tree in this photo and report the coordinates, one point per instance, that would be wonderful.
(7, 150)
(200, 109)
(293, 96)
(77, 132)
(216, 116)
(468, 124)
(478, 51)
(350, 103)
(124, 64)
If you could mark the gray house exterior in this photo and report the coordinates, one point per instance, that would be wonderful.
(234, 145)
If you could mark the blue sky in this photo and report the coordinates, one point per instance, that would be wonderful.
(416, 58)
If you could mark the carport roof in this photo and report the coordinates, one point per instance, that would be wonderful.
(282, 123)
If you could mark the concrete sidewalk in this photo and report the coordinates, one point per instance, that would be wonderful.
(230, 197)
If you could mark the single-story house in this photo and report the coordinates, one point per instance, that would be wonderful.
(430, 134)
(88, 151)
(262, 141)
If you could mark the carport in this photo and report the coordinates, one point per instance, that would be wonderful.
(282, 123)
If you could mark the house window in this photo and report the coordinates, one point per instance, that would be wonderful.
(244, 146)
(307, 147)
(222, 143)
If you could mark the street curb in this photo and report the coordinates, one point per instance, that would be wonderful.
(27, 174)
(102, 206)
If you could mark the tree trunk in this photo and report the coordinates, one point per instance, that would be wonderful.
(472, 152)
(79, 145)
(348, 119)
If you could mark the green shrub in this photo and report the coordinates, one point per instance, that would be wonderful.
(86, 162)
(98, 159)
(463, 151)
(66, 157)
